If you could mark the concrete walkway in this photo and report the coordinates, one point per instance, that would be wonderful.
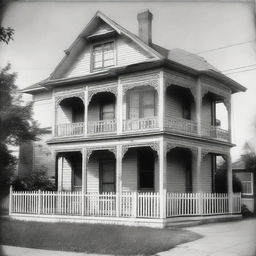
(236, 238)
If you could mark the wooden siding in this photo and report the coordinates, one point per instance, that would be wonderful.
(206, 110)
(40, 108)
(206, 174)
(67, 174)
(175, 172)
(94, 110)
(63, 115)
(130, 171)
(173, 106)
(127, 53)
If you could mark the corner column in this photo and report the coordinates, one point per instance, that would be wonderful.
(199, 106)
(162, 177)
(60, 172)
(227, 103)
(119, 110)
(161, 101)
(86, 105)
(229, 183)
(54, 115)
(118, 177)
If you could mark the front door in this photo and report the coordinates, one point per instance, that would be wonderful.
(107, 176)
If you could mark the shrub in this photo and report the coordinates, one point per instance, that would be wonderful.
(245, 211)
(38, 180)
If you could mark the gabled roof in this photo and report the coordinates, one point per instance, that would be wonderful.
(181, 58)
(239, 165)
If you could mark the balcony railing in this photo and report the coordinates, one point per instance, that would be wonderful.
(102, 126)
(215, 132)
(181, 125)
(140, 124)
(69, 129)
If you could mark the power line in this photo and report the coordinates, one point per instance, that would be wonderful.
(242, 71)
(227, 46)
(226, 70)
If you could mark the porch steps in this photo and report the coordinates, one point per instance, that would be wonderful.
(195, 221)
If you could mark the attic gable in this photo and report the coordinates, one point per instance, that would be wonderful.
(101, 28)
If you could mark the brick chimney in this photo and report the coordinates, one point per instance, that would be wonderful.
(145, 26)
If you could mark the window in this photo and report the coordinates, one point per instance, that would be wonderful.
(107, 111)
(246, 179)
(76, 161)
(141, 104)
(103, 56)
(107, 176)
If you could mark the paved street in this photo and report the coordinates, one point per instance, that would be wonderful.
(236, 238)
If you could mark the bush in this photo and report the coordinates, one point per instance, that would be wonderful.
(38, 180)
(245, 211)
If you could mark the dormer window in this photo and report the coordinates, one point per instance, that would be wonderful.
(103, 56)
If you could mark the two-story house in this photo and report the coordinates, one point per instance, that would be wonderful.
(134, 131)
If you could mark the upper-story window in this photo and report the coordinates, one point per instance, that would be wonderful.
(103, 56)
(142, 103)
(246, 179)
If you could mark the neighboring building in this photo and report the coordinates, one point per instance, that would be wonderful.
(248, 182)
(132, 118)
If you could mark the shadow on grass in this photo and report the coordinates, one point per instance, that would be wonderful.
(92, 238)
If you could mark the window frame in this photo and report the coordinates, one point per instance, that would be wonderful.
(251, 181)
(102, 104)
(101, 43)
(101, 162)
(142, 107)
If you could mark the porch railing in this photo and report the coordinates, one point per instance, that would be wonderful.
(101, 126)
(181, 125)
(140, 124)
(69, 129)
(127, 204)
(215, 132)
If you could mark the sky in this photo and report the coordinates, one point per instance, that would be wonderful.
(221, 32)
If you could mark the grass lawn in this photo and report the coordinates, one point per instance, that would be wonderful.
(91, 238)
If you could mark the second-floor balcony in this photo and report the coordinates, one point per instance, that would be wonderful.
(140, 124)
(101, 126)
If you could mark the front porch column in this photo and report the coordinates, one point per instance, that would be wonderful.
(198, 165)
(161, 101)
(118, 177)
(162, 178)
(119, 109)
(84, 170)
(227, 104)
(86, 105)
(229, 182)
(199, 106)
(60, 160)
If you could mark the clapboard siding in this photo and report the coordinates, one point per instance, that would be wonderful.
(93, 175)
(127, 53)
(173, 106)
(206, 174)
(206, 110)
(176, 170)
(130, 171)
(67, 174)
(40, 108)
(156, 173)
(64, 115)
(94, 110)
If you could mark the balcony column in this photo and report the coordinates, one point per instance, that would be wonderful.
(162, 158)
(118, 177)
(161, 101)
(86, 105)
(229, 183)
(227, 103)
(199, 106)
(119, 109)
(84, 170)
(54, 115)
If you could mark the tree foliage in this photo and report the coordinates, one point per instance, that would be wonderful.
(6, 34)
(249, 157)
(16, 123)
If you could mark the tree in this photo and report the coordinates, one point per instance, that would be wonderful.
(16, 124)
(249, 157)
(6, 34)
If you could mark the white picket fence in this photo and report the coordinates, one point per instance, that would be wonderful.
(127, 204)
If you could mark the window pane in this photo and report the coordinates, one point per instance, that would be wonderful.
(134, 105)
(148, 112)
(108, 111)
(148, 98)
(108, 63)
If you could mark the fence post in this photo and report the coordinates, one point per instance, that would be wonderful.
(10, 200)
(135, 203)
(39, 202)
(200, 203)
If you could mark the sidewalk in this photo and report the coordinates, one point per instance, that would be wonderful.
(236, 238)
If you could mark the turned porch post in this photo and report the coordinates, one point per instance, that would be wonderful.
(86, 105)
(199, 106)
(60, 172)
(161, 101)
(119, 109)
(118, 177)
(227, 103)
(162, 178)
(84, 170)
(198, 166)
(229, 183)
